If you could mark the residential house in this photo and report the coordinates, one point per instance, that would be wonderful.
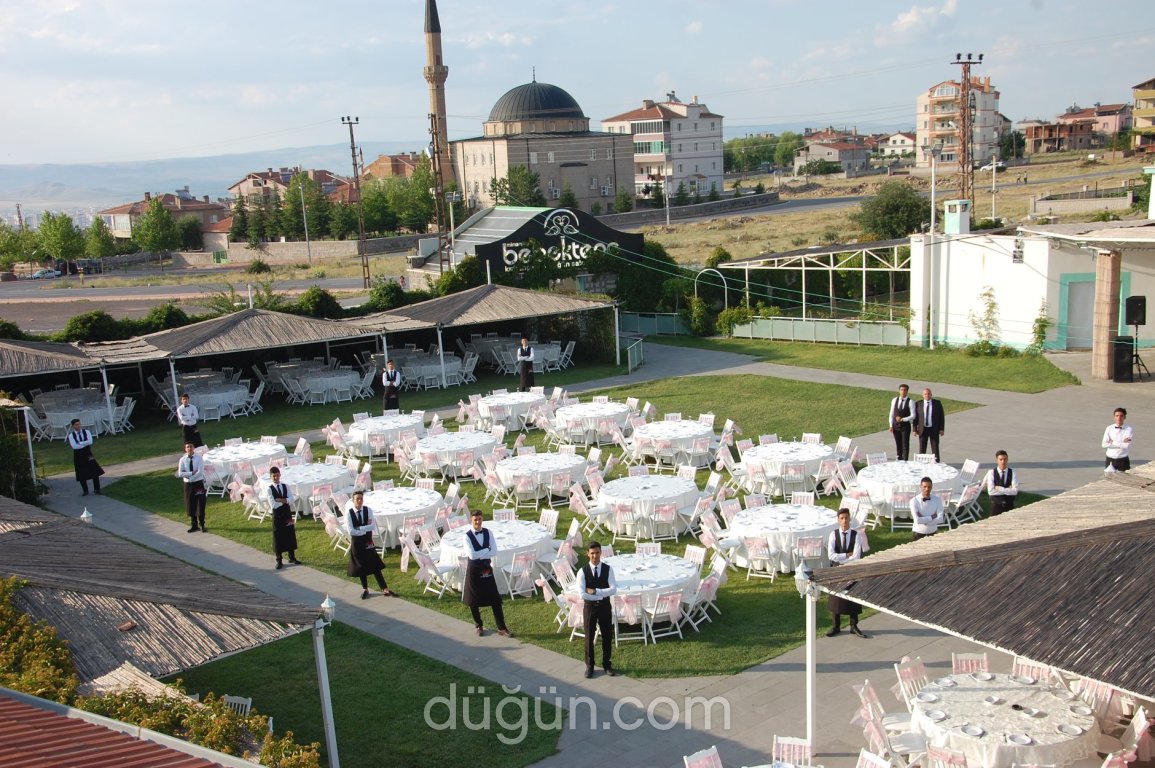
(122, 218)
(898, 144)
(851, 156)
(675, 141)
(390, 166)
(1040, 136)
(1143, 116)
(937, 122)
(260, 184)
(1106, 120)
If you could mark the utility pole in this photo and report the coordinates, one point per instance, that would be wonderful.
(966, 125)
(444, 248)
(362, 251)
(305, 218)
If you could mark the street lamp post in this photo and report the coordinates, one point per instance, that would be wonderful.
(328, 611)
(934, 150)
(809, 592)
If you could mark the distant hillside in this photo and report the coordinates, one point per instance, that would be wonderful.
(101, 185)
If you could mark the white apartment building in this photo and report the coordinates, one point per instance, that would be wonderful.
(676, 141)
(937, 120)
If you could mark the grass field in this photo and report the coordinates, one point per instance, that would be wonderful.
(1028, 373)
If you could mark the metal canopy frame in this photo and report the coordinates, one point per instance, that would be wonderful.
(882, 256)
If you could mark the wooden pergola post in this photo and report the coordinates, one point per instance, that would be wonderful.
(1106, 320)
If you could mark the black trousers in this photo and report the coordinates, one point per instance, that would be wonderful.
(600, 613)
(498, 615)
(1000, 504)
(191, 434)
(902, 442)
(931, 437)
(365, 581)
(194, 502)
(95, 484)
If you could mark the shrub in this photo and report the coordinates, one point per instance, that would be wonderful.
(317, 302)
(699, 317)
(94, 326)
(1105, 216)
(33, 659)
(258, 266)
(9, 330)
(728, 318)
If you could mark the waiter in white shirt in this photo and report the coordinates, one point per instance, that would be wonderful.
(1002, 485)
(188, 416)
(898, 422)
(191, 470)
(927, 511)
(844, 546)
(597, 584)
(83, 462)
(525, 358)
(1117, 441)
(391, 381)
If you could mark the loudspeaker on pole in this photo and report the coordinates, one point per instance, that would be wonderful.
(1136, 310)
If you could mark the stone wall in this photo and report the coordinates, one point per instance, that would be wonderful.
(297, 252)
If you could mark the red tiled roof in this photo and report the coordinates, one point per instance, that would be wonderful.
(224, 225)
(656, 112)
(168, 200)
(841, 146)
(30, 736)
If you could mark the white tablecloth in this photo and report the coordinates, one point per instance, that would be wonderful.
(69, 399)
(542, 466)
(227, 459)
(389, 427)
(391, 507)
(293, 370)
(517, 404)
(226, 397)
(771, 457)
(303, 478)
(782, 525)
(591, 414)
(448, 444)
(975, 717)
(429, 366)
(512, 537)
(192, 379)
(650, 575)
(642, 493)
(328, 382)
(681, 434)
(882, 479)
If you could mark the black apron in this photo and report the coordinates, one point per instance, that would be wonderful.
(392, 401)
(84, 463)
(525, 368)
(835, 603)
(284, 532)
(363, 557)
(480, 583)
(1000, 504)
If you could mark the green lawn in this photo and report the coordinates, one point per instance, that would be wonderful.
(760, 619)
(1027, 373)
(379, 693)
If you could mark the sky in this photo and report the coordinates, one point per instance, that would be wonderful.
(100, 81)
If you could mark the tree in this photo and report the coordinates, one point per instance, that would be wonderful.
(60, 238)
(640, 278)
(239, 229)
(156, 231)
(379, 215)
(623, 202)
(189, 230)
(1012, 144)
(98, 240)
(343, 221)
(895, 211)
(657, 195)
(681, 196)
(93, 326)
(788, 144)
(17, 245)
(316, 207)
(568, 199)
(469, 273)
(520, 186)
(714, 196)
(317, 302)
(718, 256)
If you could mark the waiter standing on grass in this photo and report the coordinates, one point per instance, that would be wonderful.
(525, 365)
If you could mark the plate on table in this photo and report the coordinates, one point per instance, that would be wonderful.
(1030, 712)
(1021, 739)
(935, 715)
(1081, 709)
(1024, 680)
(1069, 730)
(927, 697)
(992, 700)
(983, 677)
(945, 682)
(972, 730)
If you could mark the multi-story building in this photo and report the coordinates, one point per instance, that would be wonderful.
(1106, 120)
(937, 121)
(541, 127)
(1040, 136)
(899, 144)
(1143, 116)
(387, 166)
(261, 184)
(122, 218)
(675, 141)
(851, 156)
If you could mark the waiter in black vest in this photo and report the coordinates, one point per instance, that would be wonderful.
(1002, 485)
(525, 364)
(391, 381)
(480, 584)
(597, 584)
(844, 546)
(899, 419)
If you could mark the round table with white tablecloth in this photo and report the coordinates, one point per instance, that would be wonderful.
(996, 720)
(328, 381)
(427, 370)
(590, 415)
(448, 445)
(60, 406)
(295, 368)
(771, 457)
(542, 466)
(511, 536)
(224, 397)
(881, 480)
(192, 379)
(383, 430)
(679, 434)
(516, 404)
(650, 575)
(642, 493)
(304, 478)
(781, 525)
(392, 505)
(229, 459)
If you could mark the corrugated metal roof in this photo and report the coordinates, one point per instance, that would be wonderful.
(480, 305)
(1062, 581)
(496, 223)
(22, 358)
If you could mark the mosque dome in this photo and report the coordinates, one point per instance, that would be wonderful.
(535, 101)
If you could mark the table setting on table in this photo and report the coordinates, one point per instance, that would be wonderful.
(772, 456)
(194, 378)
(997, 719)
(516, 404)
(228, 460)
(302, 479)
(680, 435)
(782, 525)
(650, 575)
(391, 506)
(511, 536)
(591, 415)
(62, 405)
(542, 467)
(882, 479)
(448, 444)
(227, 397)
(360, 434)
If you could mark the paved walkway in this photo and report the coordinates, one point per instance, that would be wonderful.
(1053, 439)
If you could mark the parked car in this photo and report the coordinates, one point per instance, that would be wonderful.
(996, 166)
(41, 274)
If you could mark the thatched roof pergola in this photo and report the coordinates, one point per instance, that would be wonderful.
(25, 358)
(88, 584)
(1065, 581)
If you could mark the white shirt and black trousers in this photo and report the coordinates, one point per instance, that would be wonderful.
(901, 415)
(1001, 489)
(188, 415)
(83, 462)
(363, 558)
(525, 367)
(598, 612)
(1117, 441)
(192, 471)
(391, 381)
(843, 547)
(284, 527)
(480, 583)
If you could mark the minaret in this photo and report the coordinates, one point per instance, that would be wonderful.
(435, 74)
